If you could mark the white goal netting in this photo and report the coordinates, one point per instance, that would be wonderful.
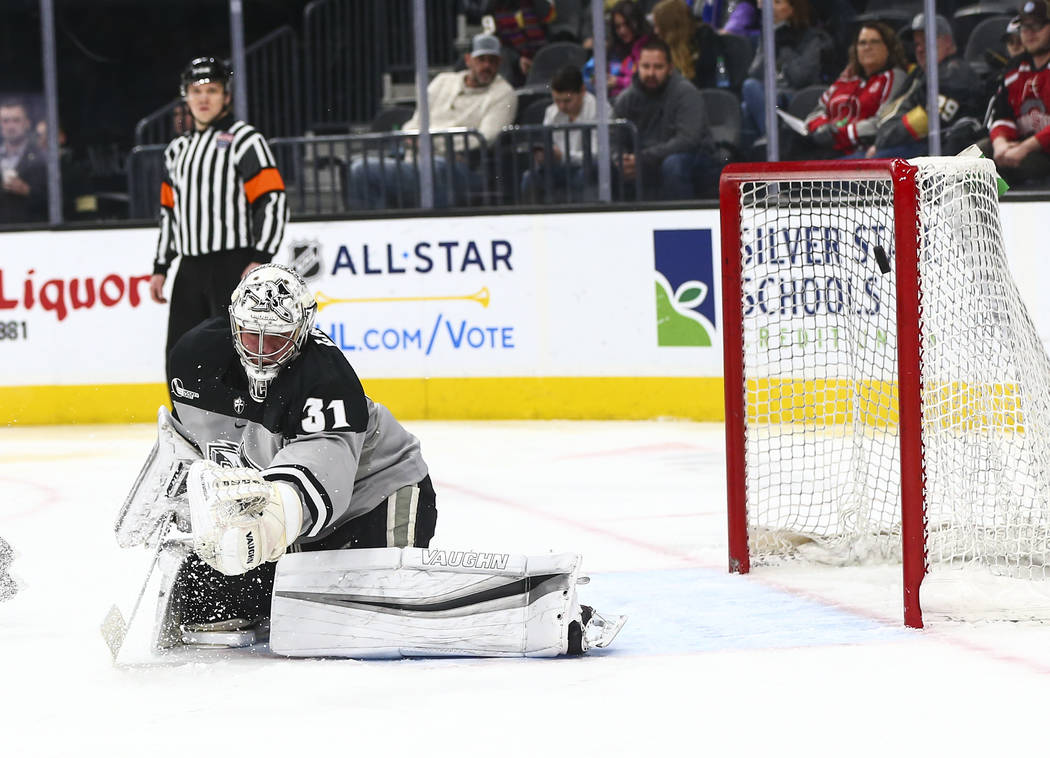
(820, 349)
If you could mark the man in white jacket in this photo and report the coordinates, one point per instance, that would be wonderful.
(477, 98)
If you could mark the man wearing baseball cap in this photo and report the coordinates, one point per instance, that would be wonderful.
(1019, 136)
(477, 98)
(1011, 38)
(903, 123)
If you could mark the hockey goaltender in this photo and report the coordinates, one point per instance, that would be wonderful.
(285, 505)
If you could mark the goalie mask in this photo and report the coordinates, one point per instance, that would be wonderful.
(271, 314)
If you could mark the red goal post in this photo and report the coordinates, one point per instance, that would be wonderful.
(856, 422)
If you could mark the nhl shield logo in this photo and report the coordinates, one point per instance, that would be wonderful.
(238, 405)
(306, 258)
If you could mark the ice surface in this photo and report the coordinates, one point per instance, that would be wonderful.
(796, 661)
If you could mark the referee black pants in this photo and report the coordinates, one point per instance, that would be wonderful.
(202, 289)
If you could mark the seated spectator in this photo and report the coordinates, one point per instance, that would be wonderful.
(1012, 38)
(674, 139)
(23, 198)
(695, 46)
(572, 103)
(997, 59)
(846, 117)
(477, 98)
(521, 28)
(800, 50)
(903, 123)
(630, 31)
(77, 200)
(1019, 137)
(744, 20)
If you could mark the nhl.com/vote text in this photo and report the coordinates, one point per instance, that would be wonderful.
(443, 334)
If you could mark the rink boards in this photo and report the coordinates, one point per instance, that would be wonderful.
(575, 315)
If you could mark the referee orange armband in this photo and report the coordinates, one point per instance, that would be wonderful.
(267, 180)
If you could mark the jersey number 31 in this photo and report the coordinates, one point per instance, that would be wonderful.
(316, 420)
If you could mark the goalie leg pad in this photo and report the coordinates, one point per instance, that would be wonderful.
(392, 602)
(160, 487)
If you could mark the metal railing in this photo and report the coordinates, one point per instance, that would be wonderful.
(159, 126)
(342, 45)
(528, 171)
(317, 172)
(273, 79)
(441, 33)
(275, 84)
(349, 44)
(145, 172)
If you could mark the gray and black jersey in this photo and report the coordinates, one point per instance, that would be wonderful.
(904, 120)
(316, 429)
(221, 191)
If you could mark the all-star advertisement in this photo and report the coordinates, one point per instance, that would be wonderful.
(420, 297)
(531, 299)
(556, 295)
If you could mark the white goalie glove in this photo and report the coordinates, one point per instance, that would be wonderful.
(240, 520)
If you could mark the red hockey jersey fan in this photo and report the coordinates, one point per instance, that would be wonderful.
(848, 107)
(1019, 109)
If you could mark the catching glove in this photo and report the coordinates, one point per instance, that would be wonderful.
(240, 520)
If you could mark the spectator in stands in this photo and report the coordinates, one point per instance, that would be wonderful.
(1012, 38)
(629, 32)
(845, 119)
(181, 119)
(477, 98)
(23, 198)
(571, 170)
(1019, 138)
(521, 28)
(800, 48)
(695, 46)
(78, 202)
(903, 122)
(744, 20)
(674, 140)
(997, 61)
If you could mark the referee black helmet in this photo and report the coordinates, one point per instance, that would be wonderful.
(205, 70)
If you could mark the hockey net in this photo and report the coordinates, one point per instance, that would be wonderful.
(870, 321)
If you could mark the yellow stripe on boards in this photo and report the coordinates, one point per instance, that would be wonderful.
(834, 402)
(954, 405)
(82, 404)
(628, 398)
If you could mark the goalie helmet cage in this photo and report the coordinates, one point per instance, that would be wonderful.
(887, 396)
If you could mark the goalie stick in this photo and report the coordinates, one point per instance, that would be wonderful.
(114, 626)
(157, 502)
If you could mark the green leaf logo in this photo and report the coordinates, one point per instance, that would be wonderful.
(677, 324)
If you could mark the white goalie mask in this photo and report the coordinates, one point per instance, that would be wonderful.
(271, 314)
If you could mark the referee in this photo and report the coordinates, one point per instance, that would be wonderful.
(222, 203)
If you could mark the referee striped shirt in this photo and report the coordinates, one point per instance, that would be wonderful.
(221, 191)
